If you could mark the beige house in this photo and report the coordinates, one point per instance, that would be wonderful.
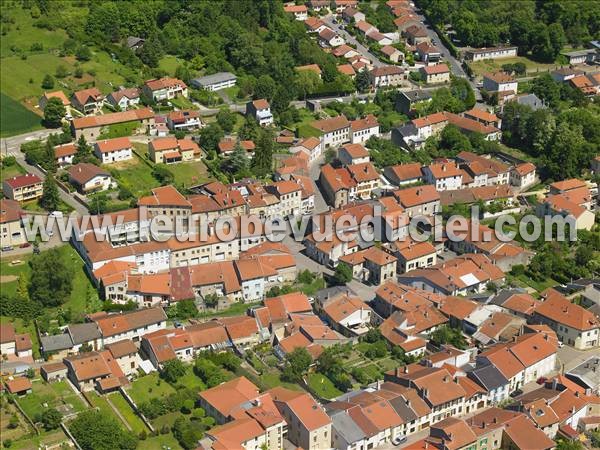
(371, 265)
(413, 255)
(309, 427)
(574, 325)
(11, 232)
(23, 187)
(440, 73)
(169, 150)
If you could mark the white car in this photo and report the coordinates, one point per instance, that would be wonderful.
(56, 214)
(560, 344)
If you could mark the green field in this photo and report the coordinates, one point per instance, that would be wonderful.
(489, 65)
(135, 175)
(169, 64)
(148, 387)
(119, 402)
(119, 130)
(11, 171)
(189, 173)
(323, 386)
(15, 118)
(82, 287)
(57, 395)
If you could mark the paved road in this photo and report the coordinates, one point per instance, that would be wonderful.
(11, 146)
(455, 65)
(328, 20)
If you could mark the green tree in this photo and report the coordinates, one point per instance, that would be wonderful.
(297, 363)
(262, 163)
(95, 430)
(84, 151)
(307, 83)
(447, 335)
(183, 73)
(22, 284)
(210, 136)
(238, 162)
(173, 370)
(53, 113)
(187, 433)
(186, 309)
(265, 88)
(163, 174)
(362, 81)
(226, 120)
(343, 273)
(50, 197)
(61, 71)
(83, 53)
(151, 52)
(48, 82)
(51, 419)
(51, 281)
(208, 372)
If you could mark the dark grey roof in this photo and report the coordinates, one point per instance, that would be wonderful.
(416, 95)
(346, 427)
(531, 100)
(504, 295)
(212, 79)
(84, 332)
(403, 410)
(132, 41)
(588, 372)
(56, 343)
(407, 130)
(331, 292)
(489, 377)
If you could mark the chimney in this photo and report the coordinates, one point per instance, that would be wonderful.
(495, 420)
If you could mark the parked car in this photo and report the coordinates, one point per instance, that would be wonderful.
(7, 248)
(399, 440)
(560, 344)
(25, 245)
(516, 393)
(541, 380)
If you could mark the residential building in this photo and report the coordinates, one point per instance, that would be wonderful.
(492, 380)
(479, 54)
(362, 129)
(404, 174)
(466, 125)
(419, 200)
(379, 38)
(13, 345)
(347, 69)
(413, 255)
(215, 82)
(56, 94)
(436, 74)
(392, 53)
(91, 127)
(164, 88)
(260, 110)
(311, 146)
(335, 131)
(300, 12)
(415, 34)
(113, 150)
(329, 38)
(387, 76)
(349, 154)
(308, 426)
(125, 353)
(64, 154)
(574, 325)
(169, 150)
(88, 178)
(88, 101)
(523, 175)
(23, 188)
(444, 176)
(12, 233)
(406, 101)
(314, 25)
(352, 15)
(132, 325)
(428, 53)
(371, 265)
(469, 273)
(184, 120)
(586, 374)
(499, 82)
(95, 370)
(124, 98)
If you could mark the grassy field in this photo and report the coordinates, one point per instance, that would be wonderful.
(190, 173)
(489, 65)
(190, 380)
(119, 130)
(323, 386)
(119, 402)
(57, 395)
(169, 64)
(148, 387)
(135, 175)
(77, 300)
(160, 442)
(15, 118)
(11, 171)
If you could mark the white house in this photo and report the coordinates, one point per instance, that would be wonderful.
(88, 178)
(522, 175)
(445, 176)
(362, 129)
(300, 12)
(499, 82)
(165, 88)
(113, 150)
(312, 146)
(336, 131)
(124, 98)
(261, 111)
(329, 38)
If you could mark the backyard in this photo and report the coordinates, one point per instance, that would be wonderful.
(133, 420)
(58, 395)
(489, 65)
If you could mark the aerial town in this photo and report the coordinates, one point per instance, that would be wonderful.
(321, 224)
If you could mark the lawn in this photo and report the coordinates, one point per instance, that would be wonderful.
(135, 175)
(119, 402)
(322, 386)
(182, 103)
(537, 285)
(160, 442)
(75, 265)
(23, 33)
(119, 130)
(305, 130)
(169, 64)
(11, 171)
(15, 118)
(57, 395)
(190, 380)
(532, 67)
(50, 439)
(189, 173)
(148, 387)
(34, 205)
(272, 379)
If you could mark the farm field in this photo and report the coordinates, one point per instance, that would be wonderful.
(15, 118)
